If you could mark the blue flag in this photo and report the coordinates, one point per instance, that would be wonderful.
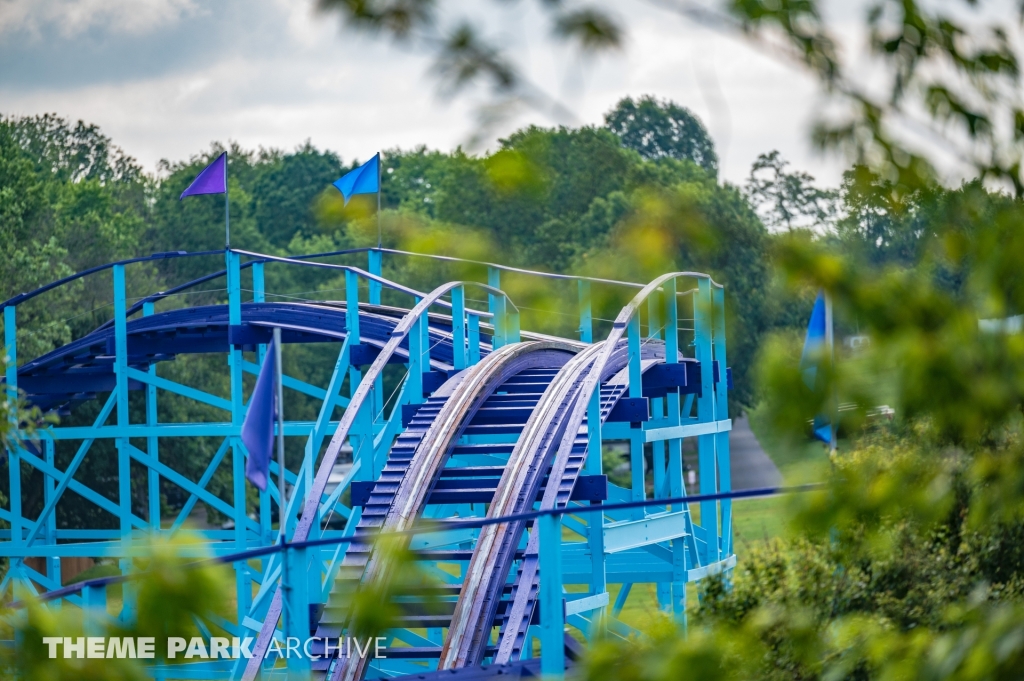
(814, 353)
(213, 179)
(363, 180)
(258, 427)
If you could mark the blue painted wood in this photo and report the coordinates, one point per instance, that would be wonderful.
(375, 264)
(638, 489)
(552, 615)
(702, 312)
(13, 455)
(586, 330)
(243, 582)
(459, 349)
(722, 413)
(124, 358)
(297, 607)
(474, 338)
(633, 410)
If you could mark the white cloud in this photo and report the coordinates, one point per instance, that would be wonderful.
(72, 17)
(273, 73)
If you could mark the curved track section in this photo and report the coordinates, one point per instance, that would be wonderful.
(397, 336)
(415, 464)
(541, 451)
(565, 470)
(79, 370)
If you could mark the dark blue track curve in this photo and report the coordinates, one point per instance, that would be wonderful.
(79, 370)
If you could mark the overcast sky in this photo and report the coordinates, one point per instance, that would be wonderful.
(165, 78)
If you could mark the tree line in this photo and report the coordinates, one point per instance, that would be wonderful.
(629, 199)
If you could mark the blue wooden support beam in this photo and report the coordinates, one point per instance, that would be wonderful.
(243, 587)
(296, 604)
(496, 306)
(209, 429)
(124, 471)
(722, 414)
(552, 613)
(638, 488)
(586, 330)
(152, 443)
(65, 480)
(153, 381)
(702, 313)
(689, 430)
(52, 562)
(192, 488)
(375, 265)
(293, 383)
(595, 521)
(674, 445)
(13, 457)
(652, 529)
(459, 349)
(473, 321)
(77, 487)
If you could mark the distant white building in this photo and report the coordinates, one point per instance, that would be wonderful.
(857, 342)
(1005, 325)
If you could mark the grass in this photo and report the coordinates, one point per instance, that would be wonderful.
(754, 520)
(799, 462)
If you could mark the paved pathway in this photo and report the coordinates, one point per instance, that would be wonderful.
(750, 467)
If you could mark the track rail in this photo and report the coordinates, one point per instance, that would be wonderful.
(402, 496)
(361, 396)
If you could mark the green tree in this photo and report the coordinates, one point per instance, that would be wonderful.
(656, 129)
(788, 200)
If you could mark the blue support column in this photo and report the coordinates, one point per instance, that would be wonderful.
(259, 295)
(595, 533)
(552, 614)
(152, 443)
(676, 487)
(459, 327)
(13, 457)
(474, 338)
(414, 383)
(49, 485)
(352, 305)
(586, 329)
(511, 323)
(675, 446)
(259, 283)
(706, 414)
(425, 347)
(636, 435)
(124, 477)
(375, 266)
(663, 589)
(94, 606)
(493, 302)
(722, 413)
(654, 332)
(243, 588)
(298, 608)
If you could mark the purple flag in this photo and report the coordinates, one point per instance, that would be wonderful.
(258, 427)
(213, 179)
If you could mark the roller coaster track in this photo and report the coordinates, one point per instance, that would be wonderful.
(414, 467)
(548, 456)
(512, 431)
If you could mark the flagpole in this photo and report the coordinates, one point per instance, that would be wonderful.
(378, 200)
(227, 223)
(279, 384)
(830, 345)
(286, 585)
